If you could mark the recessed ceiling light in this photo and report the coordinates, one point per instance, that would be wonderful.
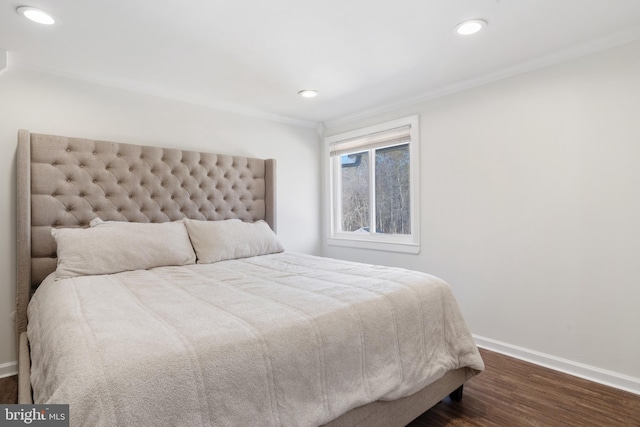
(36, 15)
(308, 93)
(472, 26)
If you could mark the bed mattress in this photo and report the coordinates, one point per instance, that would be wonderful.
(284, 339)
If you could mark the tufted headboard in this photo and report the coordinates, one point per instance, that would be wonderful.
(66, 182)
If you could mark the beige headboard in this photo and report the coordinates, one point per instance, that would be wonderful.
(66, 182)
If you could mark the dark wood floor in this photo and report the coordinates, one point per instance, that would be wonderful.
(512, 393)
(9, 390)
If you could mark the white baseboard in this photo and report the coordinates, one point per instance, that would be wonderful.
(8, 369)
(591, 373)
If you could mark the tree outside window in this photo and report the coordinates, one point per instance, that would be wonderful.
(392, 190)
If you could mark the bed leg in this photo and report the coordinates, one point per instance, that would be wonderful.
(456, 395)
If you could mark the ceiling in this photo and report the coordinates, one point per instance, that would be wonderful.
(253, 57)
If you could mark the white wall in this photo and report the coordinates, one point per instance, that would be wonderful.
(51, 104)
(531, 210)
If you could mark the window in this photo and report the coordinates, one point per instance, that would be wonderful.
(374, 196)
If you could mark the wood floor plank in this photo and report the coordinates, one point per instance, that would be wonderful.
(9, 390)
(515, 393)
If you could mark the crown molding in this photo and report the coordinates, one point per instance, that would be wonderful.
(26, 63)
(611, 41)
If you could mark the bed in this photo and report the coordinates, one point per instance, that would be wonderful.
(204, 331)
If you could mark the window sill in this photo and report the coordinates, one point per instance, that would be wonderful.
(376, 245)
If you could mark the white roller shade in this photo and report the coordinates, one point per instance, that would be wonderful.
(386, 138)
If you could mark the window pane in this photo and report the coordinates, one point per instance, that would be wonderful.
(393, 197)
(355, 191)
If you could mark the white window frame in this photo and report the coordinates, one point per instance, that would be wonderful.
(376, 241)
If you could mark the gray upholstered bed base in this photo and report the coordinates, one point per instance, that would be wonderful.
(66, 182)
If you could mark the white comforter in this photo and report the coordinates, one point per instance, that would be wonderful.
(282, 339)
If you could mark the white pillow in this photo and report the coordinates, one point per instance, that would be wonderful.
(230, 239)
(127, 246)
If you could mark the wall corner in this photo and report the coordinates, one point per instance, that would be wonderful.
(4, 61)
